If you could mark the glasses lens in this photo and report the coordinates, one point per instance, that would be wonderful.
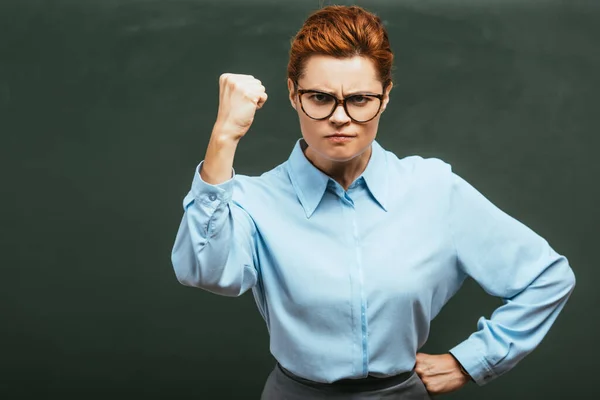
(321, 105)
(317, 105)
(362, 108)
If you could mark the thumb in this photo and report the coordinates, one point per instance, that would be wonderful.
(261, 100)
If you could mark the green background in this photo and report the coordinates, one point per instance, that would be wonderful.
(106, 107)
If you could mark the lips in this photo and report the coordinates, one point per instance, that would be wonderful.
(340, 135)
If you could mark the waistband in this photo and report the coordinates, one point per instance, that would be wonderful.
(368, 383)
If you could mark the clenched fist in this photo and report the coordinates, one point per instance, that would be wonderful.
(441, 373)
(239, 98)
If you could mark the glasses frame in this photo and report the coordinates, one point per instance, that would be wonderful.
(339, 102)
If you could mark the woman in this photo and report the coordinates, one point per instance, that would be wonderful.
(350, 251)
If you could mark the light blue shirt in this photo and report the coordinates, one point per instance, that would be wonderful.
(348, 281)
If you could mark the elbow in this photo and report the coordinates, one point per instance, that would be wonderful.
(211, 279)
(186, 278)
(226, 291)
(182, 266)
(187, 270)
(570, 280)
(211, 285)
(565, 280)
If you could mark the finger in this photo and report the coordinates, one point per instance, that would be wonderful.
(224, 76)
(255, 86)
(255, 93)
(237, 78)
(419, 368)
(248, 78)
(261, 100)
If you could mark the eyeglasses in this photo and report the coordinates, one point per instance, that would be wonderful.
(360, 107)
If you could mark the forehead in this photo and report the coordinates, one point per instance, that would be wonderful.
(340, 75)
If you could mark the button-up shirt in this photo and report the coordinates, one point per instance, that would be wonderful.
(348, 281)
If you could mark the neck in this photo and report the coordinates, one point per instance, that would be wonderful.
(343, 172)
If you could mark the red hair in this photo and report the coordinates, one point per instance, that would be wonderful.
(342, 31)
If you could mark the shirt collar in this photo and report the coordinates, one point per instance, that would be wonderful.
(310, 183)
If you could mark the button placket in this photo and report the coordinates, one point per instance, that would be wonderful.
(347, 208)
(361, 285)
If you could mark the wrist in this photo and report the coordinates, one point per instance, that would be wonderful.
(461, 368)
(463, 371)
(227, 133)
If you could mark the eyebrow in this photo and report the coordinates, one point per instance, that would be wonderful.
(345, 95)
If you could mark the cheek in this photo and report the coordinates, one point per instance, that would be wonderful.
(370, 129)
(310, 126)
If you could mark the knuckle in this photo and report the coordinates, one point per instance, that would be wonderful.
(235, 85)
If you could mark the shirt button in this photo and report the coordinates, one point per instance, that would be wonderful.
(212, 197)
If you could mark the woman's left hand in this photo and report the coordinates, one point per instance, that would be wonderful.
(440, 373)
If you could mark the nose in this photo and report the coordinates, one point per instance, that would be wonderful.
(339, 116)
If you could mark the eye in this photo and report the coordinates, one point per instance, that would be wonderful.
(319, 98)
(359, 100)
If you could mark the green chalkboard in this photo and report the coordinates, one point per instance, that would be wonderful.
(107, 106)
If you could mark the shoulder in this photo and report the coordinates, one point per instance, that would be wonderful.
(259, 188)
(419, 167)
(262, 181)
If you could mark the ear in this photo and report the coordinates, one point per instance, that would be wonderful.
(292, 92)
(386, 96)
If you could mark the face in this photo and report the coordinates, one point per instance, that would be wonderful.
(341, 78)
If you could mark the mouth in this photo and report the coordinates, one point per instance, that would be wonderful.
(340, 135)
(340, 138)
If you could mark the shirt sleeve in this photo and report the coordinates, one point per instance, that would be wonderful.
(215, 245)
(508, 260)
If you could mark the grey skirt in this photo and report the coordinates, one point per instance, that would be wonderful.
(283, 385)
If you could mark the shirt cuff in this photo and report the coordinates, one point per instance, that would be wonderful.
(210, 194)
(473, 361)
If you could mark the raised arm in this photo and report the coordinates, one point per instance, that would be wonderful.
(215, 245)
